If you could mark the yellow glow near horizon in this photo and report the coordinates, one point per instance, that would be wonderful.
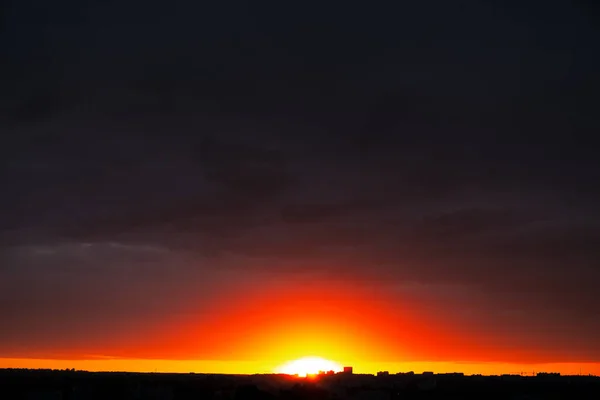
(308, 366)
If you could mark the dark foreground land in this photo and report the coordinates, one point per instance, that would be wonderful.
(80, 385)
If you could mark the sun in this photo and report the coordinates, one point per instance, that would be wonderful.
(308, 366)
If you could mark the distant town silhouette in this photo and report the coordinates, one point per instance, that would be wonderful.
(327, 385)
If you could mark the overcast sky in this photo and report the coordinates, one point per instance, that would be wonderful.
(155, 155)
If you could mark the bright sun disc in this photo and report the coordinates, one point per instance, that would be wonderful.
(308, 366)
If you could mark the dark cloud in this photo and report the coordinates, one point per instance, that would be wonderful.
(453, 161)
(473, 222)
(310, 213)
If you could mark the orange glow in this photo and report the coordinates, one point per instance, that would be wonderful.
(259, 330)
(337, 323)
(308, 366)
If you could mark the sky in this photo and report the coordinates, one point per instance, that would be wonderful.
(226, 186)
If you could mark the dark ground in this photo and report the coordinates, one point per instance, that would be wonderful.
(46, 384)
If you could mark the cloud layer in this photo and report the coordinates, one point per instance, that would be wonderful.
(146, 177)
